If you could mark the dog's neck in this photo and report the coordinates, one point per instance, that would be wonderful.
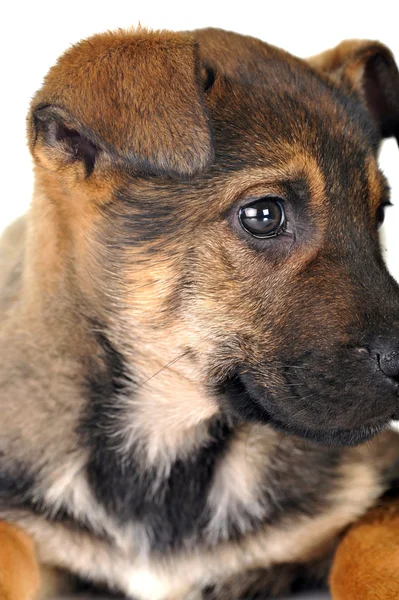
(165, 409)
(153, 378)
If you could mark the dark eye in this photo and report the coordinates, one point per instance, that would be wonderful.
(263, 218)
(380, 216)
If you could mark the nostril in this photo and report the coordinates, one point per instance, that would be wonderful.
(389, 363)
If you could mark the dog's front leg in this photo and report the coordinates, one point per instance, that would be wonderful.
(19, 570)
(366, 565)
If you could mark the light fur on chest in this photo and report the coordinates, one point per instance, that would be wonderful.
(121, 558)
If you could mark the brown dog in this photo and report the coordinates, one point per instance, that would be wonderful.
(197, 325)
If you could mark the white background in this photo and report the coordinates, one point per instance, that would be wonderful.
(35, 32)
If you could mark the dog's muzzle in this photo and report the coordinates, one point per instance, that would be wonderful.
(342, 399)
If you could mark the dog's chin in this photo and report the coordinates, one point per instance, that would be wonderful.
(246, 406)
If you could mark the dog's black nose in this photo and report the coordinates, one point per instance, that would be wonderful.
(386, 352)
(389, 363)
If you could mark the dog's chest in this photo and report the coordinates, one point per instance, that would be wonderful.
(240, 481)
(246, 500)
(123, 557)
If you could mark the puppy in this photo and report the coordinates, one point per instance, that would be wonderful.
(199, 334)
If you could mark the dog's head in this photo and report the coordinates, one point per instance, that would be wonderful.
(215, 197)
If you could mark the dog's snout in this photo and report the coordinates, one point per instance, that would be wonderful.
(386, 352)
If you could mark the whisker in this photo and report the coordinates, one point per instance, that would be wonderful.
(293, 366)
(169, 364)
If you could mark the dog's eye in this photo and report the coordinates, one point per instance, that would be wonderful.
(264, 218)
(380, 216)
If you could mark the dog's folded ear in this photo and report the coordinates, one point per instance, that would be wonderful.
(369, 69)
(136, 96)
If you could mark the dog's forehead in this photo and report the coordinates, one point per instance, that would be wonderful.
(285, 94)
(271, 107)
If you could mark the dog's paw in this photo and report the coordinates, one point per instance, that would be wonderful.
(366, 565)
(19, 571)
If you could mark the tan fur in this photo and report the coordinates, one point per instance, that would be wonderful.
(375, 183)
(239, 476)
(366, 564)
(347, 60)
(19, 571)
(90, 65)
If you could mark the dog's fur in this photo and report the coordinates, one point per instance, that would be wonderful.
(366, 563)
(180, 401)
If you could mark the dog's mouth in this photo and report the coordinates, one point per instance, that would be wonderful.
(240, 396)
